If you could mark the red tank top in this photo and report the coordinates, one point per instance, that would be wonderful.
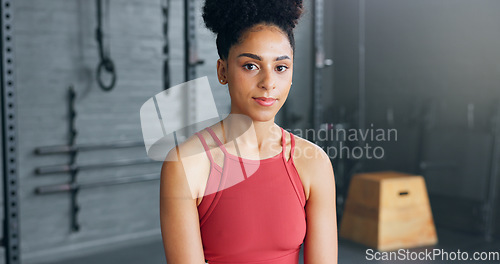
(252, 210)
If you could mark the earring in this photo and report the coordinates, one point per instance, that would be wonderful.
(222, 81)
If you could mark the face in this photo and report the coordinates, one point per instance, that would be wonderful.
(258, 72)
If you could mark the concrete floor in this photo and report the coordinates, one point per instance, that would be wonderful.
(151, 252)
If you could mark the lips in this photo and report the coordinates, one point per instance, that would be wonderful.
(265, 101)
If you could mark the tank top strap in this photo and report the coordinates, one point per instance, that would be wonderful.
(283, 144)
(219, 143)
(205, 146)
(292, 145)
(292, 174)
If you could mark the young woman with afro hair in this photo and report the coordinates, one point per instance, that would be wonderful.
(245, 190)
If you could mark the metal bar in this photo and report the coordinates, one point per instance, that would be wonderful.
(74, 208)
(59, 188)
(190, 53)
(319, 64)
(490, 204)
(64, 168)
(99, 34)
(63, 149)
(361, 83)
(191, 60)
(166, 49)
(56, 188)
(190, 63)
(11, 236)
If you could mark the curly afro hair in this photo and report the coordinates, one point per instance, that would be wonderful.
(229, 19)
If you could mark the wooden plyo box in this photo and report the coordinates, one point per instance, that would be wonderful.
(388, 210)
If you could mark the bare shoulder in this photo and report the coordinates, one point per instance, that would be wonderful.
(188, 163)
(179, 217)
(312, 163)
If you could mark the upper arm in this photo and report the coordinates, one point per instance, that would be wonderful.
(179, 216)
(321, 245)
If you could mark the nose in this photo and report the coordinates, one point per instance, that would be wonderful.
(267, 80)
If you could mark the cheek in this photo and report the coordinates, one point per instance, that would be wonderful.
(239, 89)
(238, 76)
(283, 92)
(287, 76)
(240, 83)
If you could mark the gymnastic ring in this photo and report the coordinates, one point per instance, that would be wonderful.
(108, 66)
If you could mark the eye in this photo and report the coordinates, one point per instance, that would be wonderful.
(250, 66)
(281, 68)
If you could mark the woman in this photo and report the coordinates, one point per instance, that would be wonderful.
(244, 190)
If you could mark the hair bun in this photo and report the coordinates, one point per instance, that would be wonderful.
(230, 16)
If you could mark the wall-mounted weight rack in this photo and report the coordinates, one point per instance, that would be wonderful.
(73, 168)
(10, 240)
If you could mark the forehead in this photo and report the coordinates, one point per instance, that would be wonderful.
(263, 40)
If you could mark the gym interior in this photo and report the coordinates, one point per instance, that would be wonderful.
(413, 87)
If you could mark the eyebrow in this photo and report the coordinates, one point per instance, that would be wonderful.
(253, 56)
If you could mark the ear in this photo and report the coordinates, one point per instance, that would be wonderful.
(222, 71)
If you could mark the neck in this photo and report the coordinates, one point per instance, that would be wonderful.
(250, 132)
